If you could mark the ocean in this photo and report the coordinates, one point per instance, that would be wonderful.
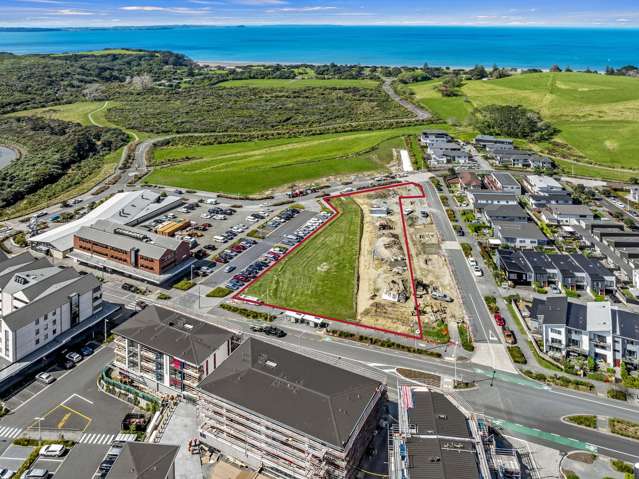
(520, 47)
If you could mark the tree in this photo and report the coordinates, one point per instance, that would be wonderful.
(450, 85)
(592, 365)
(512, 121)
(555, 68)
(633, 180)
(477, 73)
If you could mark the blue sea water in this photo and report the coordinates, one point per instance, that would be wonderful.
(367, 45)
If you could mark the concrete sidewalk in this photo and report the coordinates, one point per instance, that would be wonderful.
(181, 428)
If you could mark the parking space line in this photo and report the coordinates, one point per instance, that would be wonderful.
(79, 397)
(76, 412)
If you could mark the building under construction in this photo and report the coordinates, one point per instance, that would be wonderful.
(434, 439)
(287, 415)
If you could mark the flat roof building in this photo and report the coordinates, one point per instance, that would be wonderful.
(288, 415)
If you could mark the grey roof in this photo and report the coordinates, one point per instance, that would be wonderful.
(306, 395)
(140, 460)
(431, 458)
(493, 195)
(504, 211)
(27, 314)
(509, 229)
(514, 261)
(175, 334)
(591, 266)
(506, 179)
(492, 139)
(626, 323)
(539, 262)
(565, 264)
(433, 414)
(15, 264)
(554, 309)
(570, 210)
(126, 238)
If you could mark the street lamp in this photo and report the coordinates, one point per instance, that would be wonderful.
(39, 419)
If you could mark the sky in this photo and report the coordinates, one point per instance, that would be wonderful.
(107, 13)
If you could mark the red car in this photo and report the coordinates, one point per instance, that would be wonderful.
(237, 248)
(499, 319)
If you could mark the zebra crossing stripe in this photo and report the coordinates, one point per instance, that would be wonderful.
(10, 432)
(96, 438)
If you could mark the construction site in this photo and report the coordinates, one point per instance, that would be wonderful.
(389, 295)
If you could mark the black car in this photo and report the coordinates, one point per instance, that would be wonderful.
(273, 331)
(66, 363)
(128, 287)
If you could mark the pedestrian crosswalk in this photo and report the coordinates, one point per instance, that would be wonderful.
(10, 432)
(98, 438)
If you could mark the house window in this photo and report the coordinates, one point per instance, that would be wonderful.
(37, 321)
(46, 326)
(555, 331)
(46, 336)
(37, 331)
(53, 333)
(37, 341)
(54, 321)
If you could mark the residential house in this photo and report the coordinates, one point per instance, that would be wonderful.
(288, 415)
(434, 137)
(542, 185)
(481, 198)
(519, 235)
(520, 159)
(504, 182)
(485, 140)
(447, 153)
(498, 213)
(166, 351)
(467, 180)
(599, 280)
(595, 329)
(541, 201)
(567, 214)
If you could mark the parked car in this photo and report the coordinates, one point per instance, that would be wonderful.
(499, 319)
(46, 378)
(438, 295)
(67, 363)
(554, 289)
(229, 269)
(472, 262)
(52, 450)
(274, 331)
(128, 287)
(509, 336)
(35, 473)
(7, 473)
(86, 351)
(478, 272)
(75, 357)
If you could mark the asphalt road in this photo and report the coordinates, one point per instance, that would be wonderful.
(420, 113)
(481, 322)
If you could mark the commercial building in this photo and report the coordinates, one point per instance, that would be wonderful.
(434, 439)
(129, 208)
(519, 235)
(567, 214)
(142, 460)
(162, 350)
(595, 329)
(505, 182)
(287, 415)
(131, 251)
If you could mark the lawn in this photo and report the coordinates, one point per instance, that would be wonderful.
(77, 112)
(597, 115)
(303, 83)
(321, 275)
(252, 167)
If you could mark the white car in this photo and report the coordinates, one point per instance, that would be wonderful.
(45, 378)
(6, 473)
(206, 216)
(52, 450)
(472, 262)
(478, 272)
(211, 201)
(75, 357)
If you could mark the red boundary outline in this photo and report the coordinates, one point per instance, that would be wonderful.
(327, 200)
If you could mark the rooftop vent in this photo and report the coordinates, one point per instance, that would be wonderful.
(434, 459)
(270, 364)
(442, 416)
(188, 326)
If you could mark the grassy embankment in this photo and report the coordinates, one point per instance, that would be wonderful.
(300, 83)
(321, 275)
(597, 115)
(252, 167)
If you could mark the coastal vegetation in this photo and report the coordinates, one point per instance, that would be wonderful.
(300, 83)
(250, 109)
(52, 151)
(511, 121)
(332, 257)
(254, 166)
(597, 116)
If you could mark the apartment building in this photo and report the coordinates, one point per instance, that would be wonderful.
(434, 439)
(130, 250)
(142, 460)
(41, 303)
(162, 350)
(287, 415)
(595, 329)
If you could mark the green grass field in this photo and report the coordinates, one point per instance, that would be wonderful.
(82, 112)
(302, 83)
(321, 275)
(252, 167)
(598, 115)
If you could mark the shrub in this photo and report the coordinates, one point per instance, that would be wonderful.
(617, 394)
(219, 292)
(466, 339)
(624, 428)
(467, 249)
(163, 296)
(517, 355)
(384, 343)
(184, 285)
(248, 313)
(512, 121)
(583, 420)
(621, 466)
